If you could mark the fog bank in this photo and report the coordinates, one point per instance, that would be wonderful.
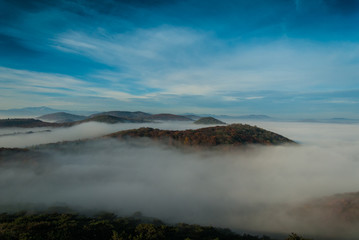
(20, 137)
(252, 189)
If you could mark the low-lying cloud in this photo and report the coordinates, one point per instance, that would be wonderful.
(249, 189)
(20, 137)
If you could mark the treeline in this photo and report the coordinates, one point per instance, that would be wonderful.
(234, 134)
(107, 226)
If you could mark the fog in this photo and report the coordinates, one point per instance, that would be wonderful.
(20, 137)
(250, 189)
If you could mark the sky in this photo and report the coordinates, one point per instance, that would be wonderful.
(284, 58)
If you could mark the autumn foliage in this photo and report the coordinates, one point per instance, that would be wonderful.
(235, 134)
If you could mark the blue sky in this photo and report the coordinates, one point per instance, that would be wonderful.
(285, 58)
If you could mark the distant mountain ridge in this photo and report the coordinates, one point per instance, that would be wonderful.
(124, 114)
(255, 117)
(28, 111)
(250, 116)
(37, 111)
(331, 120)
(34, 123)
(169, 117)
(110, 119)
(61, 117)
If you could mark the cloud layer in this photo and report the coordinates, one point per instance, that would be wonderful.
(249, 189)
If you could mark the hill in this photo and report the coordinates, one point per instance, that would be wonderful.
(27, 112)
(110, 119)
(25, 123)
(31, 112)
(208, 120)
(168, 117)
(61, 117)
(32, 123)
(234, 134)
(142, 116)
(124, 114)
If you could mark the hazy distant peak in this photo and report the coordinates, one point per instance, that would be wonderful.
(169, 117)
(61, 117)
(208, 120)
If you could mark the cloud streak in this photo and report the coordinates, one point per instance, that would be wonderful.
(143, 55)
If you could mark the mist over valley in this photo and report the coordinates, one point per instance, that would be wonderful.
(253, 188)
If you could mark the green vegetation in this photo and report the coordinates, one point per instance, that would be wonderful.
(106, 226)
(234, 134)
(208, 120)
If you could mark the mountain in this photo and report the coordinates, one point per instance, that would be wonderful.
(255, 117)
(234, 134)
(331, 120)
(25, 123)
(124, 114)
(208, 120)
(143, 117)
(61, 117)
(28, 112)
(168, 117)
(110, 119)
(36, 111)
(32, 123)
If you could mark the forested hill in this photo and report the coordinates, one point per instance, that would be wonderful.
(234, 134)
(107, 226)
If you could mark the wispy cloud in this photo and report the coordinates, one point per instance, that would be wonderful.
(46, 88)
(148, 55)
(170, 58)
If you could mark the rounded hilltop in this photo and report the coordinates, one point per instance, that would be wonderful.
(234, 134)
(208, 121)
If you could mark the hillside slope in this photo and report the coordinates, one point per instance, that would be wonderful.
(208, 121)
(235, 134)
(124, 114)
